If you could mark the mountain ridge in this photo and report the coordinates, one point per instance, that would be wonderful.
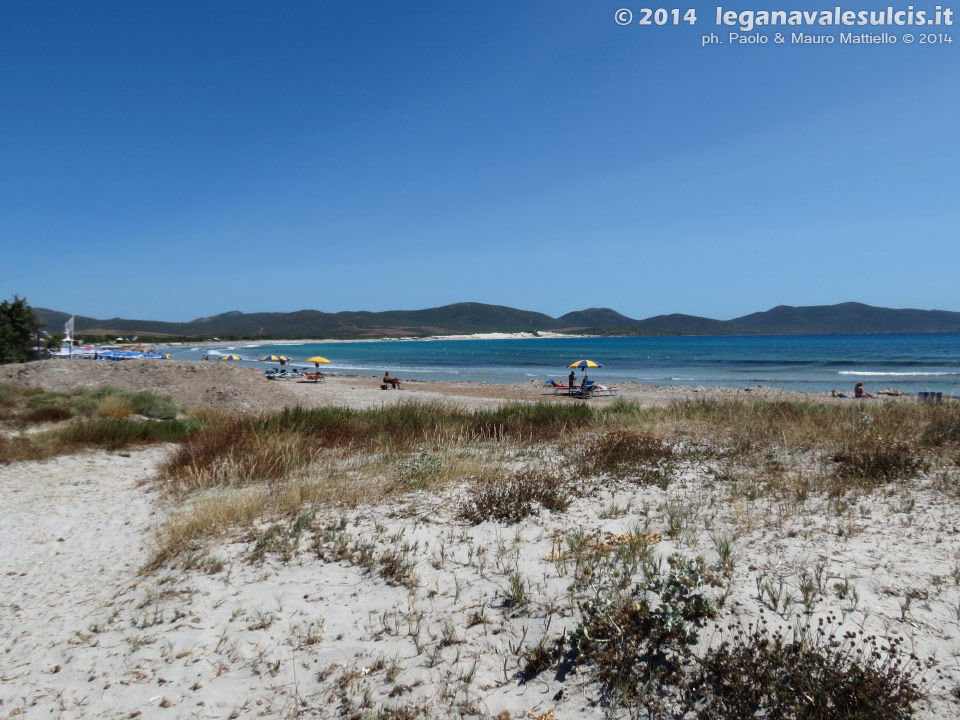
(473, 318)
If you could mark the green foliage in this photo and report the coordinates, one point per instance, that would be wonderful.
(419, 469)
(18, 328)
(86, 402)
(53, 341)
(158, 407)
(641, 639)
(116, 433)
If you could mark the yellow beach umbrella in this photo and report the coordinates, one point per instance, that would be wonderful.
(584, 364)
(231, 357)
(276, 358)
(316, 360)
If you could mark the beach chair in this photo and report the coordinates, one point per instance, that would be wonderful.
(587, 390)
(558, 388)
(312, 376)
(606, 390)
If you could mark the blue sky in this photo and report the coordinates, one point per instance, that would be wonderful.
(180, 159)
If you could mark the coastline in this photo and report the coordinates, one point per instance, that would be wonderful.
(244, 388)
(429, 338)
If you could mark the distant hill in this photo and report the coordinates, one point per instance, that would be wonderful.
(468, 318)
(847, 317)
(687, 325)
(449, 319)
(598, 317)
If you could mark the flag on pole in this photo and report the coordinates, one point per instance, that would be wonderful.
(68, 327)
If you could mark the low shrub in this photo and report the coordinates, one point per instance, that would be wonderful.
(114, 406)
(643, 459)
(418, 470)
(643, 637)
(943, 429)
(813, 674)
(16, 449)
(45, 414)
(157, 407)
(509, 499)
(871, 461)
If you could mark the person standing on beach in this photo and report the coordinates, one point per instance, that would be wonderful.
(571, 381)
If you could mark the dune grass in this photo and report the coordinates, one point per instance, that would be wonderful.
(114, 433)
(341, 455)
(84, 418)
(236, 451)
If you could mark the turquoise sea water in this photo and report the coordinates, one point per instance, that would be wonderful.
(813, 363)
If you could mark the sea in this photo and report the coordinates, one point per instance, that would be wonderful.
(810, 363)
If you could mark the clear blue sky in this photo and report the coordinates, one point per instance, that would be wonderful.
(171, 160)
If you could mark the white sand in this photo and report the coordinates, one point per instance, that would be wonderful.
(86, 635)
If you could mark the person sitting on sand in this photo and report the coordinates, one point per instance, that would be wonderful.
(859, 392)
(395, 382)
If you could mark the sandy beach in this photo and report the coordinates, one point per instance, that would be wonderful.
(401, 607)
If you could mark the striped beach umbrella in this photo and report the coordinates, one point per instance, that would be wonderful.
(584, 364)
(276, 358)
(231, 357)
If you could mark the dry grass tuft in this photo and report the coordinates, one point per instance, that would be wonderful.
(871, 461)
(45, 415)
(510, 498)
(17, 449)
(114, 406)
(643, 459)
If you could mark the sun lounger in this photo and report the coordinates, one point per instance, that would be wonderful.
(282, 374)
(586, 390)
(593, 389)
(312, 376)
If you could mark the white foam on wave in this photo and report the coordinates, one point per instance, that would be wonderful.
(897, 374)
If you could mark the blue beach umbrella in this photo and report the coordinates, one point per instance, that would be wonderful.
(584, 364)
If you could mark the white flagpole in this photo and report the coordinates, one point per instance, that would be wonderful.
(68, 328)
